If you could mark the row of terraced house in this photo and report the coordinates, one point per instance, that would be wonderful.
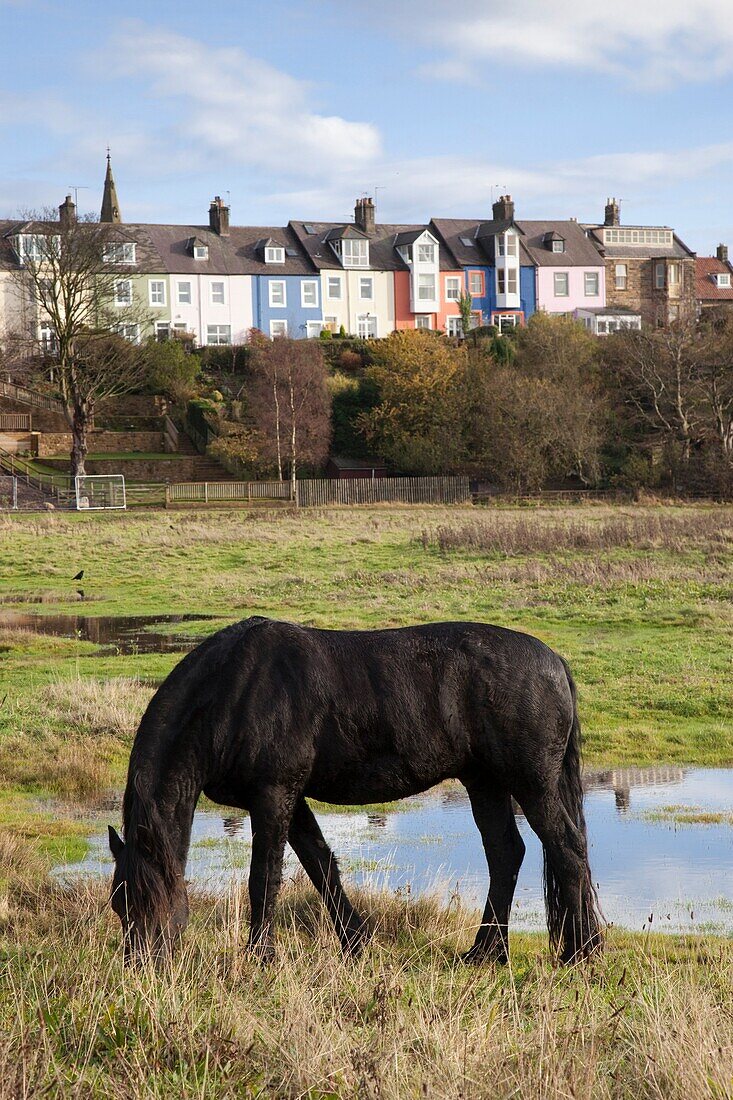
(218, 281)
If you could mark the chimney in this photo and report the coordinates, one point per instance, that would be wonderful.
(503, 209)
(365, 216)
(612, 213)
(722, 253)
(219, 217)
(67, 213)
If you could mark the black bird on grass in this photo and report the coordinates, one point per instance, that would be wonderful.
(78, 576)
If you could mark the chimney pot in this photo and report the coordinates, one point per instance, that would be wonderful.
(503, 209)
(219, 217)
(365, 215)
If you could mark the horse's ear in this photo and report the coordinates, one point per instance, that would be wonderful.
(116, 843)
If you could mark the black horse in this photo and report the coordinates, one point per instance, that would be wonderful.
(263, 714)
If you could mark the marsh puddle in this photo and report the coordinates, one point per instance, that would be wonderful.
(122, 634)
(653, 867)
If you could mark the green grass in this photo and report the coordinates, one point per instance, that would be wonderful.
(648, 631)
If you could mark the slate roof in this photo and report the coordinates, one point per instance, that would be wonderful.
(579, 250)
(166, 249)
(383, 254)
(706, 288)
(678, 250)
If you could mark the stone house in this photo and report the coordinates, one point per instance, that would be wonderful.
(714, 282)
(649, 270)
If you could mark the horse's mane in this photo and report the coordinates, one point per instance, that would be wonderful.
(151, 868)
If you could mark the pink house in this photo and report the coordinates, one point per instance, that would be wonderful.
(569, 269)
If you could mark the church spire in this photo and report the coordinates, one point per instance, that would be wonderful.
(110, 205)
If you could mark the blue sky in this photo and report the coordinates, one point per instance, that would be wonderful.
(294, 108)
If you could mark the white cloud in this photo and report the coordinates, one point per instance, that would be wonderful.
(656, 43)
(242, 109)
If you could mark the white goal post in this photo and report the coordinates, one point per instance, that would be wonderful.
(95, 492)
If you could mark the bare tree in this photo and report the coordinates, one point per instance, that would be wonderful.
(290, 405)
(659, 373)
(71, 280)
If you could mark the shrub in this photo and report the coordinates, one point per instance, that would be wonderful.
(172, 370)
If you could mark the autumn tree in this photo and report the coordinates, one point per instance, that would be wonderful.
(290, 404)
(417, 422)
(65, 281)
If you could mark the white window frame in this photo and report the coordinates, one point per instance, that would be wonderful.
(271, 293)
(558, 246)
(425, 252)
(512, 283)
(274, 254)
(675, 274)
(621, 276)
(449, 296)
(214, 334)
(723, 279)
(480, 276)
(501, 280)
(119, 252)
(365, 323)
(180, 299)
(125, 300)
(313, 329)
(561, 275)
(312, 285)
(354, 252)
(426, 283)
(218, 301)
(200, 252)
(278, 327)
(424, 321)
(453, 326)
(659, 275)
(163, 327)
(596, 278)
(505, 320)
(370, 280)
(157, 283)
(333, 281)
(129, 332)
(331, 323)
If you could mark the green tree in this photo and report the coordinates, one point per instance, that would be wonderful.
(416, 424)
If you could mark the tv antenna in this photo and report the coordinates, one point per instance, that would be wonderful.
(76, 188)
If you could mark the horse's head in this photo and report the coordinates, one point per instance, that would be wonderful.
(148, 895)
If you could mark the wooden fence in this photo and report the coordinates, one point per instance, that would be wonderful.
(318, 493)
(224, 492)
(29, 397)
(383, 490)
(15, 422)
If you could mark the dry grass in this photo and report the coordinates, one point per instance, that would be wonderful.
(707, 529)
(651, 1020)
(90, 726)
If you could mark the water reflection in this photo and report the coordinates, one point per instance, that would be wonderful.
(123, 634)
(650, 868)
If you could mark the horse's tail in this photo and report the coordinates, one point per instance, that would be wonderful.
(587, 938)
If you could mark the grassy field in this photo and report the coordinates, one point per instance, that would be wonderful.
(638, 598)
(652, 1019)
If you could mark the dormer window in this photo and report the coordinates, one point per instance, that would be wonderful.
(200, 252)
(119, 253)
(554, 242)
(558, 246)
(274, 254)
(723, 279)
(426, 253)
(355, 253)
(507, 244)
(33, 248)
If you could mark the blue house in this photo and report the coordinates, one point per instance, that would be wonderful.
(286, 289)
(500, 274)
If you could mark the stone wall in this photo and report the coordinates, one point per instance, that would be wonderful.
(657, 306)
(181, 468)
(59, 443)
(42, 420)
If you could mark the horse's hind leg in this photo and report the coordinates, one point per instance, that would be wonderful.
(504, 848)
(320, 865)
(270, 812)
(572, 911)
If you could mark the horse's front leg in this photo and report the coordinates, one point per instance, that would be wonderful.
(271, 812)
